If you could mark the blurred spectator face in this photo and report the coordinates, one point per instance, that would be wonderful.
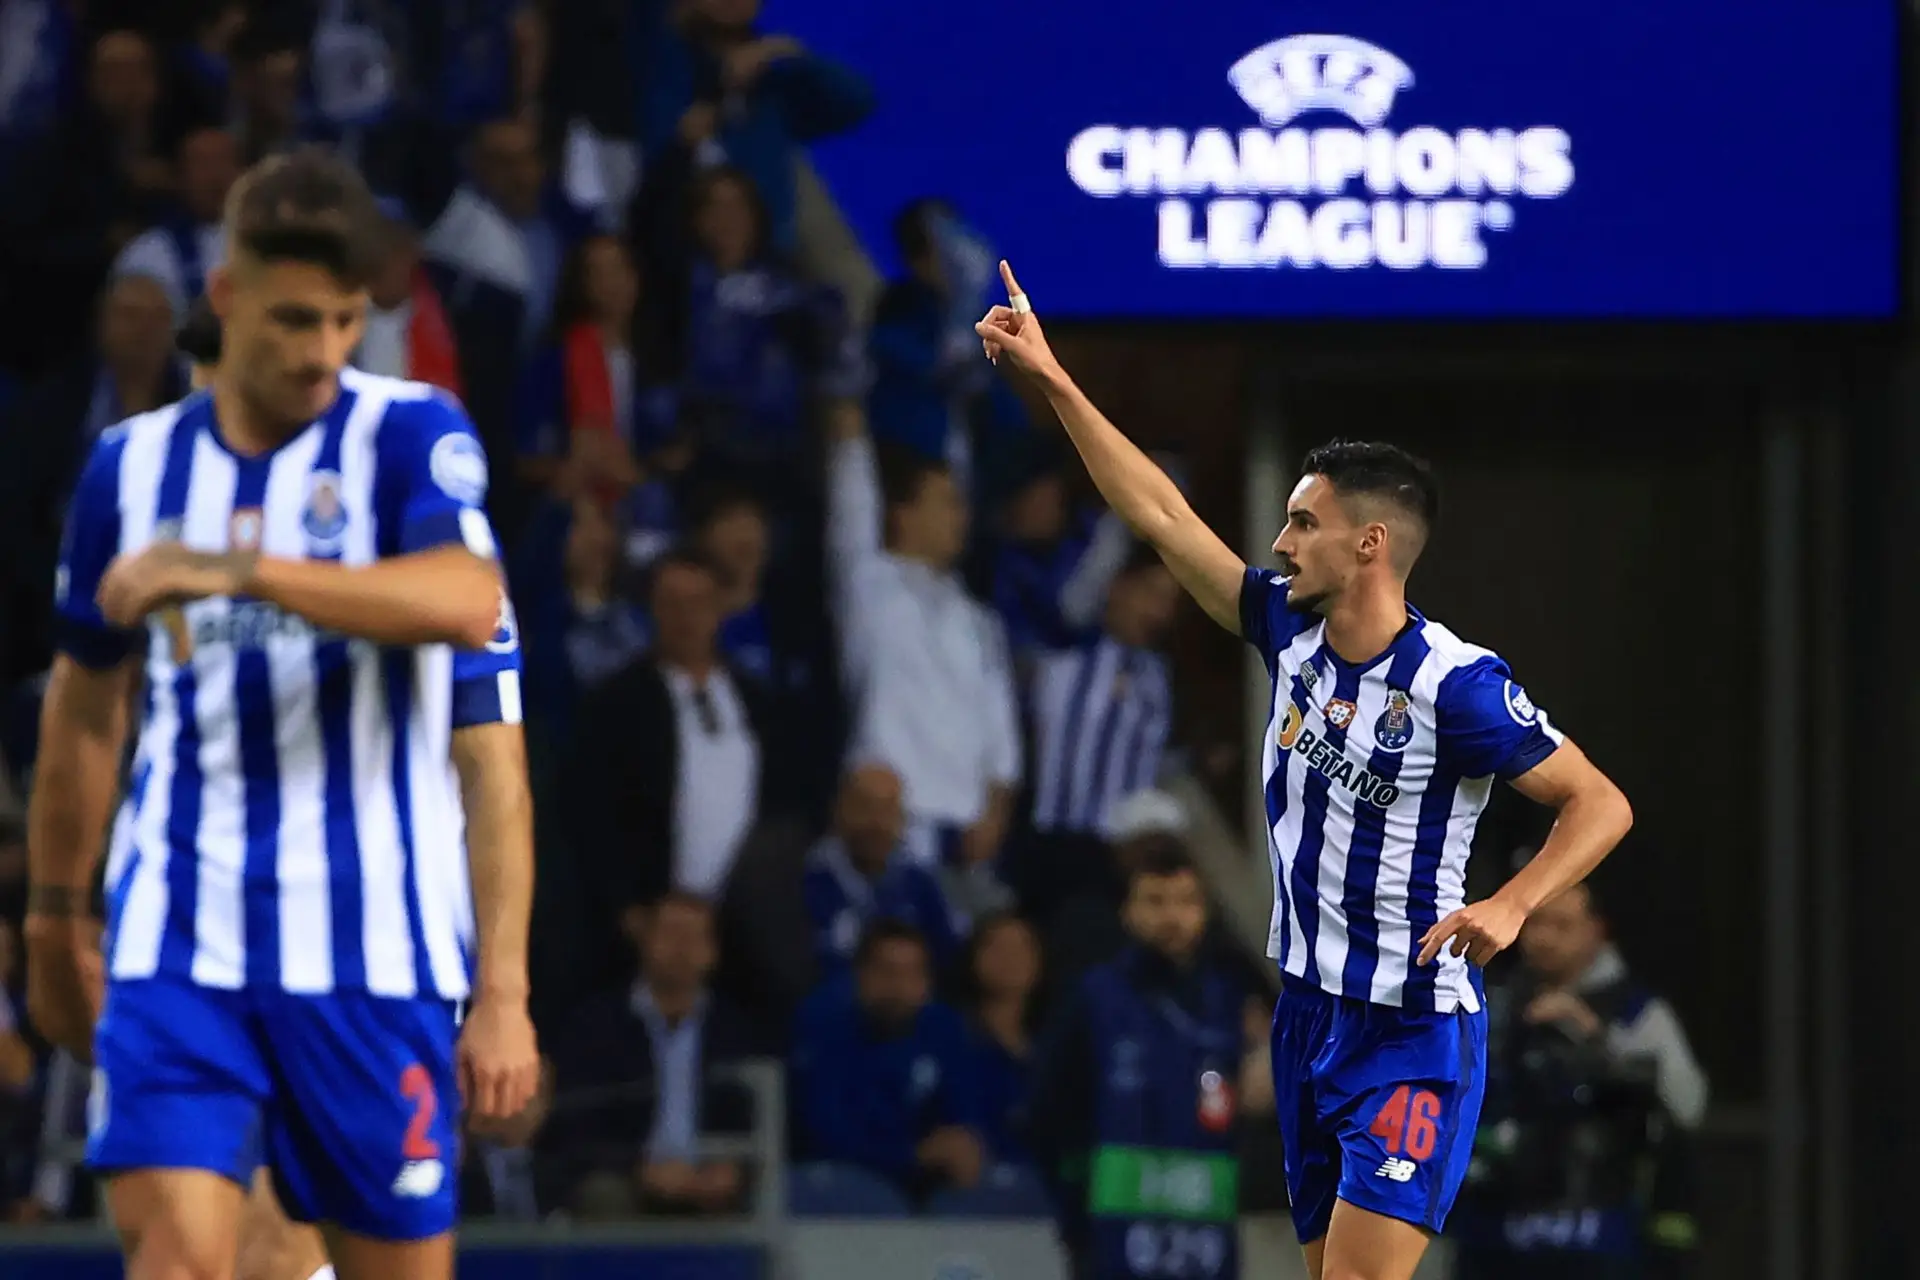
(269, 88)
(932, 525)
(678, 948)
(686, 613)
(1168, 913)
(392, 282)
(508, 167)
(893, 983)
(870, 817)
(122, 80)
(726, 224)
(593, 549)
(1561, 939)
(1141, 605)
(1038, 512)
(612, 285)
(1006, 959)
(735, 540)
(209, 162)
(9, 941)
(290, 328)
(136, 327)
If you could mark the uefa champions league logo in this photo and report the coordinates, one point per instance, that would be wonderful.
(1324, 180)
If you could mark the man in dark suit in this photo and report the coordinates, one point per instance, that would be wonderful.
(46, 436)
(670, 755)
(637, 1084)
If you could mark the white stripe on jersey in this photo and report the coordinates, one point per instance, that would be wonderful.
(407, 879)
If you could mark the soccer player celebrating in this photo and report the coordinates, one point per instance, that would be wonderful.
(289, 919)
(1387, 731)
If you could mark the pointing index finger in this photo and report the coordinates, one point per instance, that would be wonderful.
(1006, 277)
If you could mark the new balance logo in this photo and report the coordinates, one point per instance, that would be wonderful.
(1398, 1170)
(419, 1179)
(1285, 78)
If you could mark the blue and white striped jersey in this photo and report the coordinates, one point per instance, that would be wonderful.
(1376, 775)
(292, 819)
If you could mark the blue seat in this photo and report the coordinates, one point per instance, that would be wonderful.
(1005, 1191)
(829, 1190)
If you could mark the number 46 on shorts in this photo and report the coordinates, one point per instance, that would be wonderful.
(1408, 1126)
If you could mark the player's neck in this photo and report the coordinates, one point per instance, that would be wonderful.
(245, 429)
(1365, 621)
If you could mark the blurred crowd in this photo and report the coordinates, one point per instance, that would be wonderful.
(846, 709)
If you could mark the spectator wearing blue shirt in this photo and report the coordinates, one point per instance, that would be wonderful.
(883, 1076)
(1053, 566)
(577, 628)
(1000, 975)
(859, 874)
(718, 92)
(930, 394)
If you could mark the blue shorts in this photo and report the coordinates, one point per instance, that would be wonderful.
(349, 1099)
(1378, 1106)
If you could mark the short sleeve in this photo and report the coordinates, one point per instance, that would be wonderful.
(87, 546)
(432, 479)
(486, 682)
(1266, 621)
(1487, 724)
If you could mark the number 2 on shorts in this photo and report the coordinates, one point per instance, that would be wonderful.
(416, 1086)
(1409, 1123)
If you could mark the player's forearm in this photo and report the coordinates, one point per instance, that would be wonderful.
(76, 777)
(492, 762)
(1139, 492)
(1589, 825)
(444, 596)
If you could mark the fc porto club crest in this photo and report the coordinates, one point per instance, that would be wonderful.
(1394, 729)
(325, 518)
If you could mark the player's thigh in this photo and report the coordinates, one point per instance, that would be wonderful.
(1302, 1022)
(176, 1224)
(1364, 1245)
(362, 1135)
(272, 1247)
(174, 1120)
(1408, 1096)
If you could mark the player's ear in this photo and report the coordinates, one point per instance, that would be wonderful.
(220, 290)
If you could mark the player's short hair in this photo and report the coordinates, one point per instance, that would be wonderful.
(880, 933)
(198, 338)
(1159, 858)
(1385, 472)
(310, 206)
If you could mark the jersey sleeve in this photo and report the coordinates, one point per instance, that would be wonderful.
(432, 479)
(1487, 724)
(486, 682)
(87, 546)
(1266, 621)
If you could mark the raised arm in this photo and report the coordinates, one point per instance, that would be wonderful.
(1139, 492)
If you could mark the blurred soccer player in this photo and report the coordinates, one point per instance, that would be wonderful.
(289, 925)
(486, 693)
(1386, 733)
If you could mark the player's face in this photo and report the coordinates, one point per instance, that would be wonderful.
(1007, 961)
(1561, 938)
(893, 983)
(290, 329)
(1318, 549)
(1168, 913)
